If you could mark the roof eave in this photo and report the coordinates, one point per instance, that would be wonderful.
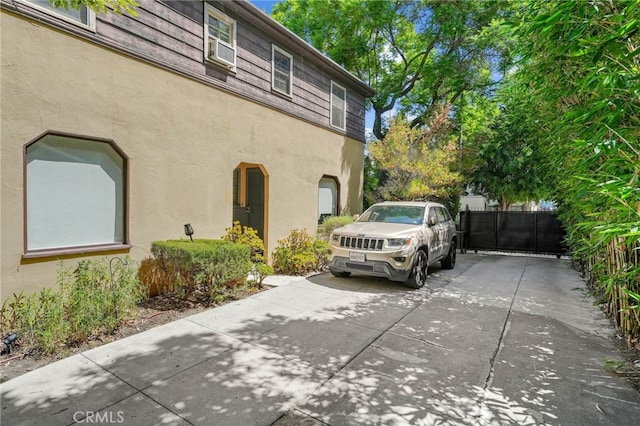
(287, 37)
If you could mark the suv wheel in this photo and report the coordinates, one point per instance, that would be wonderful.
(340, 274)
(418, 276)
(450, 261)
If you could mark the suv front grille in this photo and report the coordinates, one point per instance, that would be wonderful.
(362, 243)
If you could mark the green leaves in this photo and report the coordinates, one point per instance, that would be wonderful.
(420, 163)
(419, 56)
(300, 254)
(506, 160)
(208, 263)
(99, 6)
(581, 63)
(96, 296)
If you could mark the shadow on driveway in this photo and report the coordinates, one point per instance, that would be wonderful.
(344, 351)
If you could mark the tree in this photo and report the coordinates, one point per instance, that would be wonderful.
(474, 119)
(104, 6)
(418, 162)
(507, 162)
(419, 56)
(371, 184)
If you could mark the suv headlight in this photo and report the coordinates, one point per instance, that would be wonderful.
(398, 242)
(334, 237)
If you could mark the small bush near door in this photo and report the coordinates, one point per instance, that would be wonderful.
(247, 236)
(242, 234)
(300, 254)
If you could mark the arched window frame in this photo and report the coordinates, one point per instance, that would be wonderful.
(336, 205)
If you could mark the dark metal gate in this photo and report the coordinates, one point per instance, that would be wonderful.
(531, 232)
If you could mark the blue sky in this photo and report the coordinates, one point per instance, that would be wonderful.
(265, 5)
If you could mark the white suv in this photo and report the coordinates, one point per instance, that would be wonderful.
(396, 240)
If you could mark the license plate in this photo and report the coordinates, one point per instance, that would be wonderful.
(357, 257)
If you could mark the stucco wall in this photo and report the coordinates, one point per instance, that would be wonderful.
(183, 139)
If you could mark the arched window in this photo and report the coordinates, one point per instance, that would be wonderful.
(75, 193)
(328, 196)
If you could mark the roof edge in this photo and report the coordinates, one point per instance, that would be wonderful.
(281, 33)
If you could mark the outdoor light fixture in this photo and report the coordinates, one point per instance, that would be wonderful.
(188, 230)
(9, 340)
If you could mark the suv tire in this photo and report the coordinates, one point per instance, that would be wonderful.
(340, 274)
(418, 275)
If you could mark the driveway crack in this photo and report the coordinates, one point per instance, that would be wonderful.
(503, 334)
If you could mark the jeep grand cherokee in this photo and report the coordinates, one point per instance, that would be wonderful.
(396, 240)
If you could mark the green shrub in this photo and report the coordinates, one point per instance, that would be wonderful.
(300, 254)
(247, 236)
(333, 222)
(260, 272)
(209, 264)
(95, 297)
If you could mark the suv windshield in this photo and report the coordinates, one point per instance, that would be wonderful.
(394, 214)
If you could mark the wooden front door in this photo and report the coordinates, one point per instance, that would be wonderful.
(249, 197)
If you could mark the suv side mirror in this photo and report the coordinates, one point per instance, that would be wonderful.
(432, 221)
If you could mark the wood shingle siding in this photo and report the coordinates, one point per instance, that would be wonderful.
(157, 31)
(173, 31)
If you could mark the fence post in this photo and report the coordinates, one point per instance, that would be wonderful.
(535, 230)
(496, 223)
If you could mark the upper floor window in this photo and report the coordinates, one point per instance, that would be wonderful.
(338, 105)
(84, 16)
(219, 37)
(75, 194)
(282, 74)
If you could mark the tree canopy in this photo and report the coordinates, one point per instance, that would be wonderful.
(419, 56)
(417, 162)
(506, 165)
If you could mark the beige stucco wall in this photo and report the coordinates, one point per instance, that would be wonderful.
(183, 139)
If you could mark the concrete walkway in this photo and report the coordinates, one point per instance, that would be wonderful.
(498, 340)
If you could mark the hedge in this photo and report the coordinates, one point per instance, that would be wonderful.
(203, 262)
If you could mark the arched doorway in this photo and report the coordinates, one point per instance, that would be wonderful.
(250, 197)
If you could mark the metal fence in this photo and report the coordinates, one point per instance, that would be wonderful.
(530, 232)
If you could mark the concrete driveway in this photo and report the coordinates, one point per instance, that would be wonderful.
(498, 340)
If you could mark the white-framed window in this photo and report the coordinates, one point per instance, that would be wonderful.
(281, 70)
(75, 194)
(219, 37)
(338, 105)
(327, 197)
(84, 17)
